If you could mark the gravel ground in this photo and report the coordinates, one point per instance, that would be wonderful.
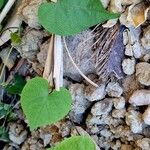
(116, 114)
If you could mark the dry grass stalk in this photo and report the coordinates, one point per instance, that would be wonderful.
(48, 70)
(53, 70)
(58, 62)
(76, 67)
(103, 49)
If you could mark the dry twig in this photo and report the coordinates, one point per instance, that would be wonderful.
(48, 70)
(81, 73)
(58, 62)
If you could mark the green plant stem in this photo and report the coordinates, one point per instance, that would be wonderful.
(11, 109)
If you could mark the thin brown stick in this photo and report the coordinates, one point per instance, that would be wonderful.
(49, 62)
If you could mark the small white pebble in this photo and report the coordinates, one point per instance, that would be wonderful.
(128, 50)
(95, 94)
(143, 73)
(128, 66)
(138, 50)
(94, 129)
(144, 143)
(106, 133)
(140, 98)
(118, 113)
(113, 89)
(102, 107)
(119, 103)
(145, 39)
(125, 37)
(146, 57)
(134, 120)
(146, 116)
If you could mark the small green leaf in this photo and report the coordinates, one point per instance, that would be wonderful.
(4, 110)
(15, 38)
(4, 134)
(16, 86)
(69, 17)
(42, 108)
(76, 143)
(7, 112)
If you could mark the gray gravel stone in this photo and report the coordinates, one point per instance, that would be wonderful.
(119, 103)
(102, 107)
(143, 73)
(80, 103)
(128, 66)
(134, 120)
(17, 133)
(94, 94)
(113, 89)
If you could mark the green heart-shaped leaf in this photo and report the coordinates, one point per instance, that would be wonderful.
(68, 17)
(76, 143)
(42, 108)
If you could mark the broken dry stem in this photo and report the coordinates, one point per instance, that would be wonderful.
(58, 62)
(6, 62)
(47, 74)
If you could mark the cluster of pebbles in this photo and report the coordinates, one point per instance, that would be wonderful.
(117, 113)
